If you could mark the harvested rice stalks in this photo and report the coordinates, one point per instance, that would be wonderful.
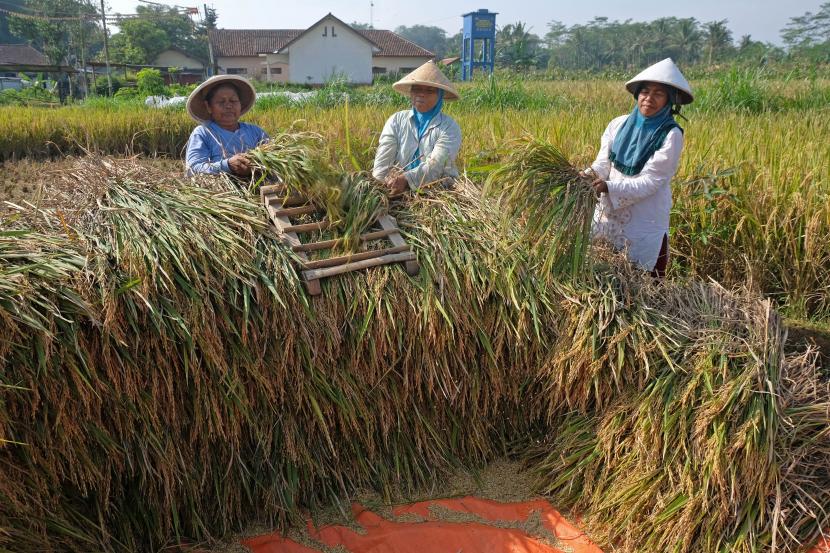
(537, 185)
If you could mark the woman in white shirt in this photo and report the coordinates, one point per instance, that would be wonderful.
(418, 146)
(638, 156)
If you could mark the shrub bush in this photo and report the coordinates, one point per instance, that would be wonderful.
(102, 88)
(151, 83)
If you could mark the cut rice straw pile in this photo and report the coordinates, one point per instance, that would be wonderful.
(165, 377)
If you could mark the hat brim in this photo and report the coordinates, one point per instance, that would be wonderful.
(406, 87)
(196, 107)
(683, 96)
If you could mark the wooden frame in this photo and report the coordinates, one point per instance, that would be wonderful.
(280, 211)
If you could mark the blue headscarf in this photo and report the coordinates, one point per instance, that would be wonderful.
(422, 120)
(639, 138)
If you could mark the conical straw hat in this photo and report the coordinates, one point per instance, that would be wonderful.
(196, 101)
(427, 75)
(665, 72)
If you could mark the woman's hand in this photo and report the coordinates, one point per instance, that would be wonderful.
(600, 186)
(240, 165)
(396, 185)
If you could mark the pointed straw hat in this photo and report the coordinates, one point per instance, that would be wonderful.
(196, 101)
(427, 75)
(664, 72)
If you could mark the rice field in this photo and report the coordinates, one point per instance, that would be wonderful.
(750, 197)
(165, 378)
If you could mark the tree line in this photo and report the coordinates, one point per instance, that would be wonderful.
(69, 32)
(602, 44)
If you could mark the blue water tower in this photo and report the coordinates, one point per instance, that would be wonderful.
(478, 40)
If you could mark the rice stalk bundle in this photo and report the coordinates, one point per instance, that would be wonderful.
(537, 185)
(206, 389)
(363, 200)
(351, 202)
(694, 451)
(164, 376)
(295, 159)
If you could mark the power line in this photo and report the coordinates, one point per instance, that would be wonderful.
(39, 17)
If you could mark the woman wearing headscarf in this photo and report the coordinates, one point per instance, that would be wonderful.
(418, 146)
(638, 156)
(218, 143)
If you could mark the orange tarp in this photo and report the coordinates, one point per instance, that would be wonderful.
(823, 546)
(380, 535)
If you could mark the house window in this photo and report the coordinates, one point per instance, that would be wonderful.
(274, 70)
(378, 70)
(406, 70)
(237, 71)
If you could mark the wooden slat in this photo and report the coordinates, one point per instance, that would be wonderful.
(289, 238)
(290, 201)
(279, 210)
(351, 258)
(320, 225)
(294, 211)
(270, 189)
(365, 264)
(327, 244)
(387, 223)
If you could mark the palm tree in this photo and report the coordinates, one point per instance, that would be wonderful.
(517, 46)
(637, 48)
(718, 38)
(688, 39)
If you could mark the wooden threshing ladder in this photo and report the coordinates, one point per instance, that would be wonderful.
(281, 209)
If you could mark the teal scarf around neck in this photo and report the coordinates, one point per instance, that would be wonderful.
(638, 139)
(422, 120)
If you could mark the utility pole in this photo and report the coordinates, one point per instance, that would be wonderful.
(106, 47)
(211, 70)
(82, 33)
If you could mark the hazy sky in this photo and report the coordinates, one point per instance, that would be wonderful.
(763, 19)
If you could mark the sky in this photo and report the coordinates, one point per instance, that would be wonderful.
(763, 19)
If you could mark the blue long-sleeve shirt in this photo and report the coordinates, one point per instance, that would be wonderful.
(210, 146)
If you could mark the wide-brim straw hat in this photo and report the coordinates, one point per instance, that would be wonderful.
(196, 101)
(427, 75)
(664, 72)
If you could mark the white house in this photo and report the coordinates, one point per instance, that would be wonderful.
(173, 57)
(329, 48)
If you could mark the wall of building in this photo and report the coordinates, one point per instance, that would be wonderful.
(279, 68)
(247, 66)
(328, 49)
(173, 58)
(385, 65)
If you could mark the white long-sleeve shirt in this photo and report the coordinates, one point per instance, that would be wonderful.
(634, 214)
(439, 147)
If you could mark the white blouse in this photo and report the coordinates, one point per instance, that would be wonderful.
(634, 214)
(438, 147)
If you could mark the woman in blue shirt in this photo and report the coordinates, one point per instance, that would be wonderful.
(217, 145)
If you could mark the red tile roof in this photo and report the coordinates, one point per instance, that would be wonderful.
(21, 54)
(392, 44)
(329, 17)
(252, 42)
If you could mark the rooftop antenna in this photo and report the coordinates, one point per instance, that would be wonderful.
(371, 14)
